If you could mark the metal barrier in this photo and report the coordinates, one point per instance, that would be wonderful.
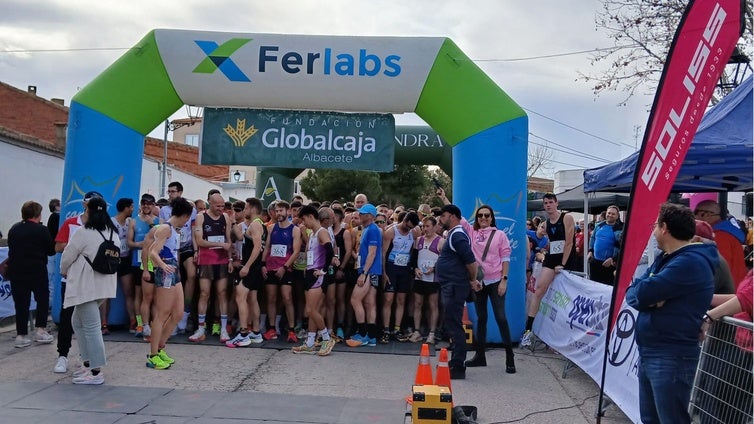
(722, 391)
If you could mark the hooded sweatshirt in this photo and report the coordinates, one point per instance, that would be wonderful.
(684, 280)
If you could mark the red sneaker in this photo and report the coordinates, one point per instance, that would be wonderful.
(270, 334)
(292, 337)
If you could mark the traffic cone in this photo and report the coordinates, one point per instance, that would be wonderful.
(465, 319)
(443, 371)
(423, 370)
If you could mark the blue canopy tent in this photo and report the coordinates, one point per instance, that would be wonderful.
(718, 160)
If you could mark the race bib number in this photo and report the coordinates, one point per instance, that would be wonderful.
(137, 256)
(185, 235)
(301, 259)
(216, 239)
(278, 250)
(401, 259)
(309, 258)
(557, 247)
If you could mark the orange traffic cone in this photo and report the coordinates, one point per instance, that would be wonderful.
(423, 370)
(465, 319)
(443, 372)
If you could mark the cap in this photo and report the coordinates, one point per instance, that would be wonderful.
(368, 209)
(147, 198)
(704, 230)
(451, 209)
(90, 194)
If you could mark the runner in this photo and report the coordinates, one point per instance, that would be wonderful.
(364, 297)
(137, 231)
(426, 285)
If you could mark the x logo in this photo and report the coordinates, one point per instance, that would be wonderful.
(218, 57)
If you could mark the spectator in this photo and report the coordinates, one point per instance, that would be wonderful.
(604, 245)
(53, 222)
(29, 245)
(671, 298)
(723, 280)
(728, 237)
(87, 289)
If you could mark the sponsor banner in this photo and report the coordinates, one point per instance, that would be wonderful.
(292, 139)
(573, 318)
(297, 71)
(703, 43)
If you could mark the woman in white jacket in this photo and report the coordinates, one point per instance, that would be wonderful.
(87, 289)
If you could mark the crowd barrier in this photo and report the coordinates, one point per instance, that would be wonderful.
(722, 391)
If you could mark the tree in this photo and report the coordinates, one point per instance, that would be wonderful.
(338, 184)
(642, 32)
(539, 159)
(406, 185)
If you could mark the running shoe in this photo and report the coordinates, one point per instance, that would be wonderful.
(22, 341)
(224, 337)
(43, 337)
(301, 333)
(371, 341)
(415, 337)
(309, 350)
(199, 335)
(165, 358)
(239, 341)
(105, 332)
(292, 338)
(81, 371)
(256, 338)
(356, 340)
(61, 365)
(270, 334)
(132, 327)
(90, 378)
(157, 363)
(401, 336)
(147, 333)
(431, 338)
(385, 337)
(139, 331)
(326, 347)
(526, 339)
(215, 329)
(340, 334)
(335, 337)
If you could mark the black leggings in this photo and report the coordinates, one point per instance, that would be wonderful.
(65, 329)
(21, 291)
(498, 307)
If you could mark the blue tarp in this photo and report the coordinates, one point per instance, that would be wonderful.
(719, 158)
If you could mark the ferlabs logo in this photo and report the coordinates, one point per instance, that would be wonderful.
(218, 57)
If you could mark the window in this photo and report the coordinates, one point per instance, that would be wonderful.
(192, 140)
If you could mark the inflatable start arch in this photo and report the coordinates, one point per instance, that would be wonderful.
(432, 77)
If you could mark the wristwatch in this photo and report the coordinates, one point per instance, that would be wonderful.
(505, 277)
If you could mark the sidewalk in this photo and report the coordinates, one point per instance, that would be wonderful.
(214, 384)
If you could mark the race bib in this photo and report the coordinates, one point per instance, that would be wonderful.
(301, 259)
(185, 235)
(310, 258)
(278, 250)
(137, 256)
(401, 259)
(123, 246)
(557, 247)
(216, 239)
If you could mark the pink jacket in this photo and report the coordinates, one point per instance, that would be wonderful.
(500, 249)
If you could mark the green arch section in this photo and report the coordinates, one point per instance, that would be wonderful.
(135, 90)
(458, 111)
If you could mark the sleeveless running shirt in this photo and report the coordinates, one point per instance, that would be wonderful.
(281, 246)
(141, 228)
(401, 250)
(248, 245)
(557, 234)
(315, 252)
(170, 248)
(428, 254)
(213, 230)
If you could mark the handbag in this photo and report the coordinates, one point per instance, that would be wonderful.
(479, 269)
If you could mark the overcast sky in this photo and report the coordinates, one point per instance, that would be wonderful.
(490, 31)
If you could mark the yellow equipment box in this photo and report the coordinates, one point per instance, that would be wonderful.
(469, 330)
(432, 405)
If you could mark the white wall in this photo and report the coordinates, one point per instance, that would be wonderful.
(27, 175)
(567, 179)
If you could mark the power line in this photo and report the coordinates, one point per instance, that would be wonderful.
(577, 129)
(548, 56)
(577, 154)
(585, 155)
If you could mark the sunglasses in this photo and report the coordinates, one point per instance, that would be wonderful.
(380, 222)
(483, 215)
(238, 210)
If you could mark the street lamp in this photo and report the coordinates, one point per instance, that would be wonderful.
(237, 176)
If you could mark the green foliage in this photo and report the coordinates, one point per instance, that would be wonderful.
(338, 184)
(406, 185)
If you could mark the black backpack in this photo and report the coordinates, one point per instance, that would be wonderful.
(107, 259)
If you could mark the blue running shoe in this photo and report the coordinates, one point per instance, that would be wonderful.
(371, 342)
(356, 340)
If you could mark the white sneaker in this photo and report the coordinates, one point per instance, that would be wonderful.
(224, 337)
(199, 335)
(81, 371)
(431, 338)
(147, 332)
(526, 339)
(239, 341)
(42, 336)
(61, 365)
(256, 338)
(90, 378)
(22, 341)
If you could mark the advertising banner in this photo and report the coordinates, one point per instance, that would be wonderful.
(573, 320)
(293, 139)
